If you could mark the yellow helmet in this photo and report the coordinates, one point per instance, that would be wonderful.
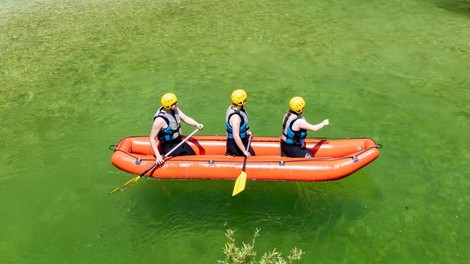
(168, 100)
(297, 104)
(238, 97)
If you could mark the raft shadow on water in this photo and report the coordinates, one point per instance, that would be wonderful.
(176, 207)
(459, 7)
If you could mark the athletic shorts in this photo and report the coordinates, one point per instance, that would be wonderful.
(183, 150)
(234, 150)
(294, 151)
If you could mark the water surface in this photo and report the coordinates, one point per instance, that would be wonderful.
(76, 76)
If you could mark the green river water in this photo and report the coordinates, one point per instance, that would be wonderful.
(78, 75)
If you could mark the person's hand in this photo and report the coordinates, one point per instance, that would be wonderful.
(159, 159)
(246, 153)
(199, 126)
(326, 122)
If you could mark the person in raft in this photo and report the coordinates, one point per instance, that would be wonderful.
(167, 128)
(294, 130)
(236, 123)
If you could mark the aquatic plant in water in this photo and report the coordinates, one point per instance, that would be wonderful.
(247, 255)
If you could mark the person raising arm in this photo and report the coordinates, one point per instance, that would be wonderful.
(294, 130)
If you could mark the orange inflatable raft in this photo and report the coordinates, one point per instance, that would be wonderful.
(333, 159)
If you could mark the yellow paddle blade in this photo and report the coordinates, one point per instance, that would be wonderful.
(239, 184)
(131, 181)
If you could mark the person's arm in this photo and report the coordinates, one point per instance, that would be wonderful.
(302, 124)
(235, 121)
(188, 120)
(158, 124)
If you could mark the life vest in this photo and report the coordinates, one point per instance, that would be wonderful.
(173, 130)
(243, 125)
(288, 135)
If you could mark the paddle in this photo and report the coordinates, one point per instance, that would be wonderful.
(241, 180)
(133, 180)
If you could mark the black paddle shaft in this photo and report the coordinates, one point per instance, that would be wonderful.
(247, 149)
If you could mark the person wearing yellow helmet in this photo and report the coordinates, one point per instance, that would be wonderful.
(294, 130)
(167, 129)
(236, 124)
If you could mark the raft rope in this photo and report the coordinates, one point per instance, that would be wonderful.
(355, 158)
(137, 160)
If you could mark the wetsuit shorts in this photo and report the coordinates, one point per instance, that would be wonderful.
(294, 151)
(183, 150)
(234, 150)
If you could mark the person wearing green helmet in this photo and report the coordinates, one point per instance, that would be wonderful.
(294, 130)
(167, 129)
(236, 124)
